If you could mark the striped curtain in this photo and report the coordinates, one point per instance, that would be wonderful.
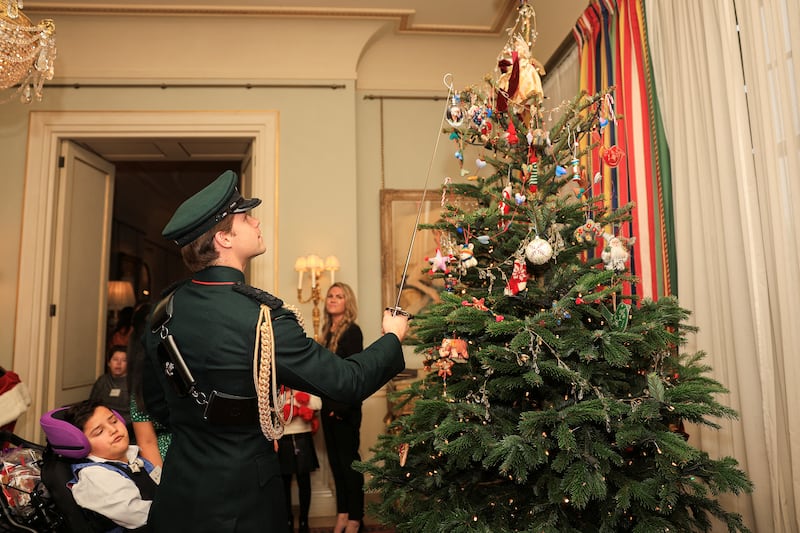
(612, 42)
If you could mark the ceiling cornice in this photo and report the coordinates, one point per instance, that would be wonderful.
(404, 18)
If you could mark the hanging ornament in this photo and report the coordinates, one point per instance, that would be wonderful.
(454, 349)
(541, 140)
(588, 232)
(511, 133)
(480, 305)
(486, 129)
(615, 254)
(480, 163)
(439, 262)
(621, 317)
(533, 168)
(444, 366)
(476, 115)
(612, 156)
(559, 313)
(466, 257)
(504, 206)
(402, 453)
(538, 251)
(520, 77)
(518, 280)
(483, 239)
(455, 114)
(555, 238)
(576, 169)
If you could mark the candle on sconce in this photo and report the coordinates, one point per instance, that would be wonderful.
(332, 265)
(300, 266)
(314, 264)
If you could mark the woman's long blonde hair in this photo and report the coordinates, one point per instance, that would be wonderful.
(350, 316)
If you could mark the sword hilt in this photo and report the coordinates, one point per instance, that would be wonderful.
(397, 310)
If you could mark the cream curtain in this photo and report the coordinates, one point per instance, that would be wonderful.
(560, 85)
(733, 127)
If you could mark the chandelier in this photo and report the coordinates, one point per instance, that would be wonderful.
(27, 52)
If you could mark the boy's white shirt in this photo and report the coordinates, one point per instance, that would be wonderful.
(113, 494)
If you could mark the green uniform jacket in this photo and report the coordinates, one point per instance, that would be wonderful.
(227, 478)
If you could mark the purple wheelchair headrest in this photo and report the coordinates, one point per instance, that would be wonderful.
(64, 438)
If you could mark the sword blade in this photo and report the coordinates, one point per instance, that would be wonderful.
(397, 309)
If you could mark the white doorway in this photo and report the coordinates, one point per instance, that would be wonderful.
(36, 288)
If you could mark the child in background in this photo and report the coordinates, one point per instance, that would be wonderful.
(296, 452)
(111, 389)
(115, 482)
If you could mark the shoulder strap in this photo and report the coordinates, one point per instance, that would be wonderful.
(262, 297)
(162, 312)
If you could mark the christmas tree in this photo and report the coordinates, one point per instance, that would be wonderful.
(556, 399)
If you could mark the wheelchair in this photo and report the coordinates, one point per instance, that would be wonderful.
(35, 493)
(26, 504)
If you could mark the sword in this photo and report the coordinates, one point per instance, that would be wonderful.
(397, 310)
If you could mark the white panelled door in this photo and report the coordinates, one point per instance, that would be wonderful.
(82, 236)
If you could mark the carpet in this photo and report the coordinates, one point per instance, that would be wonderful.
(367, 529)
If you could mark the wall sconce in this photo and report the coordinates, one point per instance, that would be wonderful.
(317, 267)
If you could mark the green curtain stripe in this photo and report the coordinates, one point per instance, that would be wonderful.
(666, 261)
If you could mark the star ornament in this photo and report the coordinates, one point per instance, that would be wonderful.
(439, 262)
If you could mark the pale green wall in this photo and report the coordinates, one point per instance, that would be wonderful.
(317, 174)
(330, 149)
(410, 132)
(329, 174)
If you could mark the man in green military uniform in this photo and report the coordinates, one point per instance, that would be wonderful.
(221, 473)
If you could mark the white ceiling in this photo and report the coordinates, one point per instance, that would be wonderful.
(434, 16)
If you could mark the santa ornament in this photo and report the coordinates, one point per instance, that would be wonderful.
(615, 254)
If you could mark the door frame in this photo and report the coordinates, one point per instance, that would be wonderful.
(46, 131)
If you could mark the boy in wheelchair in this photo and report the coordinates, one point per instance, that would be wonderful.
(107, 476)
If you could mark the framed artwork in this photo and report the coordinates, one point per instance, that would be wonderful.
(399, 209)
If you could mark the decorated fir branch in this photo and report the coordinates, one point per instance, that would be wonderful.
(554, 400)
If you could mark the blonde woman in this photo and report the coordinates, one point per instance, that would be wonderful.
(341, 422)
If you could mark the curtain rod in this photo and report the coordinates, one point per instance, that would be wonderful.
(390, 97)
(192, 86)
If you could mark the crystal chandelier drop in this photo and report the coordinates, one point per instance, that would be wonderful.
(27, 52)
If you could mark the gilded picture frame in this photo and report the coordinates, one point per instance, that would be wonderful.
(399, 210)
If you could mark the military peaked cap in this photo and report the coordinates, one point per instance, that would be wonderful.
(206, 208)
